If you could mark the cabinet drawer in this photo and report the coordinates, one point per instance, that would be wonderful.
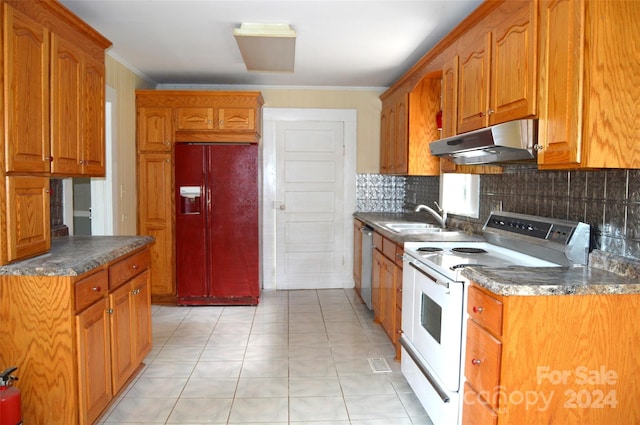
(124, 270)
(482, 367)
(389, 249)
(377, 241)
(485, 310)
(475, 410)
(398, 255)
(91, 289)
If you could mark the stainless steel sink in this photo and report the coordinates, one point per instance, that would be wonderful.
(412, 227)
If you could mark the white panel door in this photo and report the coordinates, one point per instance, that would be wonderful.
(309, 196)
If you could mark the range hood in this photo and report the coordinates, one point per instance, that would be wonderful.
(510, 141)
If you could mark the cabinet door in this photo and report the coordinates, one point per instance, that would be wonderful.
(66, 106)
(94, 361)
(28, 231)
(155, 218)
(561, 81)
(387, 128)
(141, 323)
(401, 137)
(513, 63)
(450, 98)
(474, 78)
(236, 119)
(122, 338)
(195, 119)
(155, 131)
(93, 134)
(26, 102)
(387, 296)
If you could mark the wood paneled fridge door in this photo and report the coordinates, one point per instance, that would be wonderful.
(217, 224)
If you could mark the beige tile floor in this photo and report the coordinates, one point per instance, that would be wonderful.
(299, 357)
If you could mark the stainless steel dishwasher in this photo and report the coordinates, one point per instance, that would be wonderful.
(367, 264)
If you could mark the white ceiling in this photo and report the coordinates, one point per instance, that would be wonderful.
(340, 43)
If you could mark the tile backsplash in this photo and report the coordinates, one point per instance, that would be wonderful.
(380, 193)
(608, 200)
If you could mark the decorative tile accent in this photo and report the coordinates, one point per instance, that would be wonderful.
(379, 193)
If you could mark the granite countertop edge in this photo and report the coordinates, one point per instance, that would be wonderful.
(618, 276)
(76, 255)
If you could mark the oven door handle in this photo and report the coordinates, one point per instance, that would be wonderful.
(409, 349)
(435, 280)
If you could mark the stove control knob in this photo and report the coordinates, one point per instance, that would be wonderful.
(477, 309)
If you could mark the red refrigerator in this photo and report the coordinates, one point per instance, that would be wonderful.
(217, 224)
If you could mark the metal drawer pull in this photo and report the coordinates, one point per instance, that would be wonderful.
(96, 289)
(436, 281)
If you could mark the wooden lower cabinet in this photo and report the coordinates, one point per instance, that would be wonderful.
(130, 327)
(386, 283)
(86, 342)
(559, 359)
(94, 361)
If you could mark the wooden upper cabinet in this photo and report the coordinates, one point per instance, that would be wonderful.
(497, 71)
(26, 88)
(77, 111)
(408, 124)
(230, 119)
(155, 131)
(169, 116)
(388, 136)
(195, 119)
(588, 89)
(450, 98)
(474, 80)
(238, 119)
(28, 230)
(513, 62)
(93, 132)
(66, 106)
(561, 81)
(401, 148)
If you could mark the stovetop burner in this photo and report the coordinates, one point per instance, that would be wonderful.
(429, 249)
(469, 250)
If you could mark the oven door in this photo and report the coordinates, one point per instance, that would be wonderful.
(437, 323)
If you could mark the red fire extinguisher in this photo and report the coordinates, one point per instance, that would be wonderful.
(10, 409)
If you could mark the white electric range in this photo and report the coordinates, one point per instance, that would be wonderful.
(435, 294)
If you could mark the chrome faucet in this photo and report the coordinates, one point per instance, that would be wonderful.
(442, 219)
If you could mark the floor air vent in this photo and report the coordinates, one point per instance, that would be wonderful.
(379, 365)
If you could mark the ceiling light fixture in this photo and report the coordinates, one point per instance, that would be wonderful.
(267, 47)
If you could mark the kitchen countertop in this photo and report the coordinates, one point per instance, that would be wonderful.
(374, 219)
(75, 255)
(606, 274)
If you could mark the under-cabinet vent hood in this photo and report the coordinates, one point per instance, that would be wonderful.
(510, 141)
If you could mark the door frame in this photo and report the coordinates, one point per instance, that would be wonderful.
(270, 116)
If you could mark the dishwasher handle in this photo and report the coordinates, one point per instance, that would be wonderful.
(367, 230)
